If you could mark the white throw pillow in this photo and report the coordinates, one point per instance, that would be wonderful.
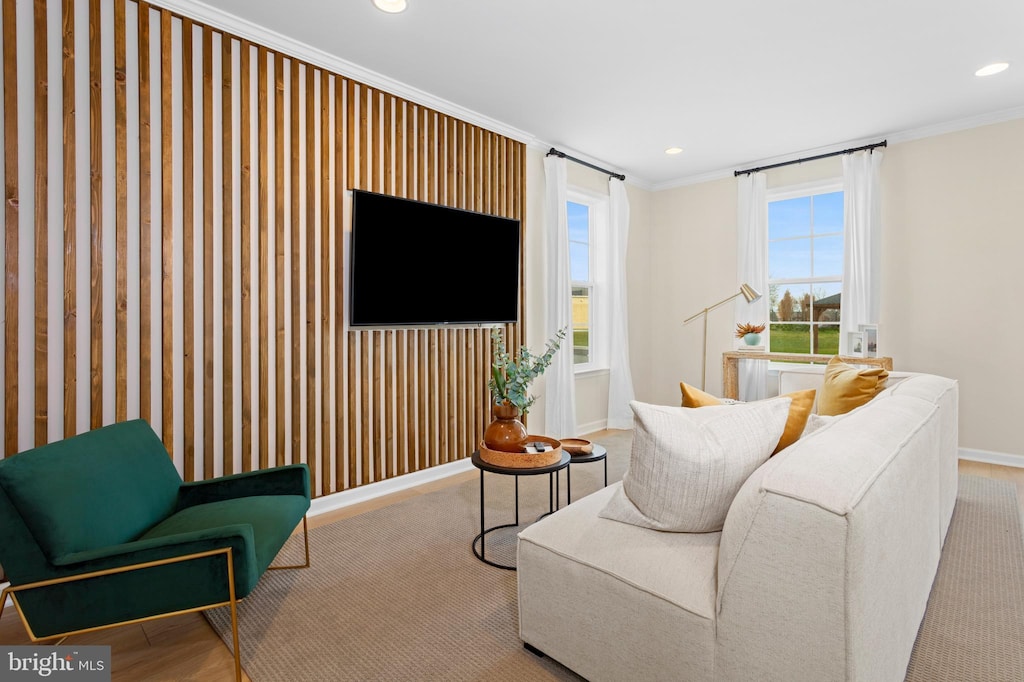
(687, 465)
(816, 421)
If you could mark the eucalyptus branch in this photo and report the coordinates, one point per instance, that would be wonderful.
(511, 379)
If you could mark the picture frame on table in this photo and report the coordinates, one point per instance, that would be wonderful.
(870, 332)
(856, 344)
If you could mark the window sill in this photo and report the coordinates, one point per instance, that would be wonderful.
(591, 371)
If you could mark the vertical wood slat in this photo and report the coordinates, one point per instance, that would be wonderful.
(95, 217)
(279, 273)
(227, 248)
(325, 283)
(145, 219)
(42, 238)
(340, 172)
(10, 56)
(296, 331)
(364, 157)
(120, 214)
(69, 218)
(167, 232)
(378, 454)
(188, 247)
(365, 406)
(208, 448)
(404, 426)
(245, 244)
(350, 127)
(310, 318)
(262, 257)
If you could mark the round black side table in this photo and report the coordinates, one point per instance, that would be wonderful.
(483, 466)
(598, 454)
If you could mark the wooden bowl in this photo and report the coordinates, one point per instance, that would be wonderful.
(577, 446)
(524, 460)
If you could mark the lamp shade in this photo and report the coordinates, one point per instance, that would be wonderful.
(749, 293)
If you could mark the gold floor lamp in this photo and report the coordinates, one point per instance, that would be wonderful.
(746, 291)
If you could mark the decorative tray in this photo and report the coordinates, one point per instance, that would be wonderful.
(524, 460)
(577, 446)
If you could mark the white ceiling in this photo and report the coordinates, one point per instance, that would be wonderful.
(732, 82)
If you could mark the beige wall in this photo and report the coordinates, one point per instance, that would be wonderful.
(953, 221)
(953, 212)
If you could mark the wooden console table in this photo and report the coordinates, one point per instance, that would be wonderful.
(731, 365)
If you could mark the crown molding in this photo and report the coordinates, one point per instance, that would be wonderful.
(243, 28)
(897, 137)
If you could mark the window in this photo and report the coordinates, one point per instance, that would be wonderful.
(805, 268)
(587, 216)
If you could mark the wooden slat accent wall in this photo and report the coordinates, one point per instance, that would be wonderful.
(195, 276)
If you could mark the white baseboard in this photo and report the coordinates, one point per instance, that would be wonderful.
(327, 503)
(1001, 458)
(592, 427)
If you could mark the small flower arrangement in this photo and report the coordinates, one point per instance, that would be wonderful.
(510, 379)
(744, 328)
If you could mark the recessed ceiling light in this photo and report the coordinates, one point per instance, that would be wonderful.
(674, 150)
(992, 69)
(390, 6)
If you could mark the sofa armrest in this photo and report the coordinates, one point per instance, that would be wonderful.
(239, 537)
(291, 479)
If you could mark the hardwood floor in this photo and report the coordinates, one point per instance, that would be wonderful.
(186, 648)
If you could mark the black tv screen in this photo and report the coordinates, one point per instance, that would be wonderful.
(416, 263)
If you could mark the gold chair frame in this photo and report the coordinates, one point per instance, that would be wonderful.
(13, 590)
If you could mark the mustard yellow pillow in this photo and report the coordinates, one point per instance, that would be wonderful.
(799, 410)
(694, 397)
(846, 387)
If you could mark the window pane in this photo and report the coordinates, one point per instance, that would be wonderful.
(580, 325)
(789, 338)
(827, 298)
(579, 222)
(828, 256)
(789, 259)
(828, 212)
(789, 218)
(579, 262)
(826, 341)
(793, 304)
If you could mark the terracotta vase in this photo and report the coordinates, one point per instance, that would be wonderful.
(506, 433)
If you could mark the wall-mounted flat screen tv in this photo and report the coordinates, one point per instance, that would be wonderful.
(415, 263)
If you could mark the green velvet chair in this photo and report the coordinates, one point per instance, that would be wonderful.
(99, 530)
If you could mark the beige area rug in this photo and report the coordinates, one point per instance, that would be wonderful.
(396, 593)
(973, 629)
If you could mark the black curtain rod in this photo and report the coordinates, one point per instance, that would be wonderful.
(555, 152)
(867, 147)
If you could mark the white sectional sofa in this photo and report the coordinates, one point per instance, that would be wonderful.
(821, 572)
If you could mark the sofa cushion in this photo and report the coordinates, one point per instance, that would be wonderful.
(799, 410)
(680, 568)
(124, 464)
(686, 465)
(272, 517)
(616, 602)
(845, 387)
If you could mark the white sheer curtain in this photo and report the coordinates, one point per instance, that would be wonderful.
(560, 379)
(862, 243)
(620, 380)
(752, 268)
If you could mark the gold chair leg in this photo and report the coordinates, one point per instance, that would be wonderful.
(234, 619)
(305, 539)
